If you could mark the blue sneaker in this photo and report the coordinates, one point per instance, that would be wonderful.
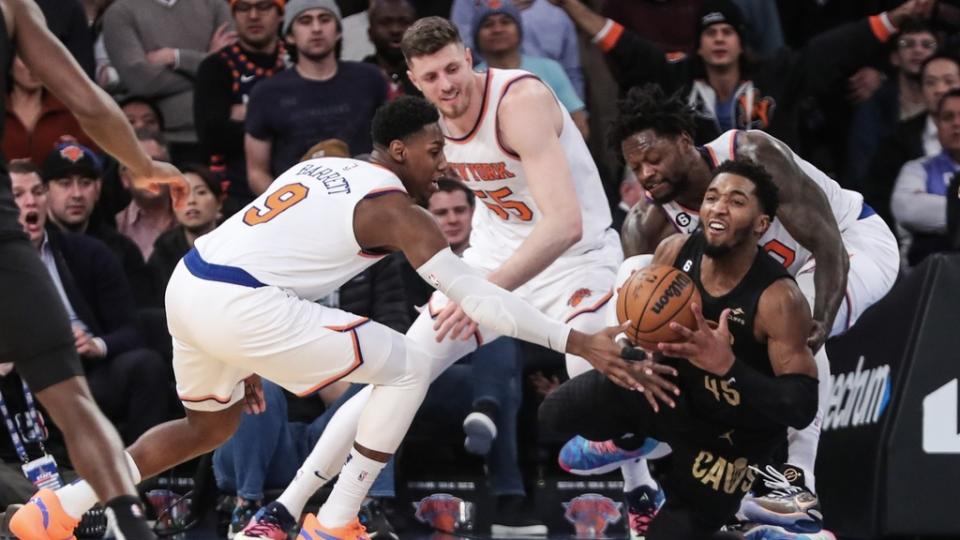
(583, 457)
(772, 532)
(643, 503)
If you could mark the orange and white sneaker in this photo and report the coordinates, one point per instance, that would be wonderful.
(43, 518)
(313, 530)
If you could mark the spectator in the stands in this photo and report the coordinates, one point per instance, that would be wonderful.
(127, 380)
(727, 89)
(919, 200)
(72, 173)
(225, 80)
(156, 47)
(913, 138)
(389, 19)
(899, 99)
(497, 33)
(319, 98)
(36, 120)
(150, 213)
(198, 216)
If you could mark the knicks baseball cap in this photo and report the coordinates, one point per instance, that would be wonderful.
(719, 11)
(295, 7)
(71, 158)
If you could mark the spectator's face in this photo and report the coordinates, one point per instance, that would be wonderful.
(141, 116)
(424, 162)
(314, 33)
(31, 197)
(202, 207)
(498, 34)
(912, 50)
(445, 78)
(720, 45)
(72, 199)
(23, 77)
(948, 125)
(657, 162)
(453, 213)
(257, 21)
(939, 77)
(389, 19)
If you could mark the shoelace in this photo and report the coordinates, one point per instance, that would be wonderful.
(641, 522)
(604, 447)
(776, 482)
(266, 524)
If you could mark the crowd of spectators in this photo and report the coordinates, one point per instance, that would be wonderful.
(234, 92)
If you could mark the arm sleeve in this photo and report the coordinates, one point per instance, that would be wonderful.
(913, 207)
(212, 99)
(130, 59)
(490, 305)
(789, 400)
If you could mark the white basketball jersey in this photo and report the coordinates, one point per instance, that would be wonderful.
(298, 235)
(846, 206)
(508, 212)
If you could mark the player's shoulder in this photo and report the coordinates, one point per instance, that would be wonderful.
(784, 301)
(669, 249)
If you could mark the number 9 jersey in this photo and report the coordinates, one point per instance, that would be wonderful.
(305, 216)
(495, 174)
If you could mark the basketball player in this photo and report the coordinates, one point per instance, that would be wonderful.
(741, 384)
(842, 254)
(35, 332)
(242, 302)
(543, 228)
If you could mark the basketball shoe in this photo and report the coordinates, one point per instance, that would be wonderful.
(271, 521)
(583, 457)
(43, 518)
(643, 503)
(783, 499)
(772, 532)
(313, 530)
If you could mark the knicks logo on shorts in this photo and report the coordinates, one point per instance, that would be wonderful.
(578, 297)
(443, 511)
(591, 513)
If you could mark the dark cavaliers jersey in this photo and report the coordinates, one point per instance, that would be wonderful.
(9, 226)
(710, 396)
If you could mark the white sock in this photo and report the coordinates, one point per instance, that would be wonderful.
(636, 474)
(78, 497)
(802, 444)
(351, 488)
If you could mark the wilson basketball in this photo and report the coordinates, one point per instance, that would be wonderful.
(653, 297)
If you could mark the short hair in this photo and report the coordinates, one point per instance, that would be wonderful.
(939, 55)
(401, 118)
(452, 185)
(765, 189)
(149, 103)
(912, 25)
(648, 107)
(212, 182)
(427, 36)
(23, 166)
(955, 93)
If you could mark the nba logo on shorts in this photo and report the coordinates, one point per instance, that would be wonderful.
(591, 513)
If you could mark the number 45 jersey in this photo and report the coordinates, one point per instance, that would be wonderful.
(298, 235)
(507, 213)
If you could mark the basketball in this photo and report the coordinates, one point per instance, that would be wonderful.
(653, 297)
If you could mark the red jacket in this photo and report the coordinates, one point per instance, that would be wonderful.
(55, 121)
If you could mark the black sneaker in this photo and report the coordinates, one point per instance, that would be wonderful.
(515, 518)
(93, 524)
(373, 516)
(780, 497)
(5, 533)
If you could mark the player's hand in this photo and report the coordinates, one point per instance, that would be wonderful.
(818, 336)
(864, 83)
(87, 347)
(253, 400)
(453, 321)
(705, 347)
(160, 174)
(920, 9)
(655, 387)
(603, 353)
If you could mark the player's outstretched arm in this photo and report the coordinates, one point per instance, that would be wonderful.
(806, 214)
(393, 221)
(530, 124)
(97, 113)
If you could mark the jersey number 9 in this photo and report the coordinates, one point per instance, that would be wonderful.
(277, 203)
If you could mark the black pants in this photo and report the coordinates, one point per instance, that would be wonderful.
(133, 391)
(35, 332)
(710, 471)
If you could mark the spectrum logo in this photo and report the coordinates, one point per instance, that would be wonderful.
(858, 398)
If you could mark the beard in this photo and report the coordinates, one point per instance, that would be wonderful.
(677, 187)
(716, 251)
(720, 251)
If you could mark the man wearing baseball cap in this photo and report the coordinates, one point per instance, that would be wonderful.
(319, 98)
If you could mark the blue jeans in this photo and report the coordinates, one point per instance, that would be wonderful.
(267, 449)
(494, 373)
